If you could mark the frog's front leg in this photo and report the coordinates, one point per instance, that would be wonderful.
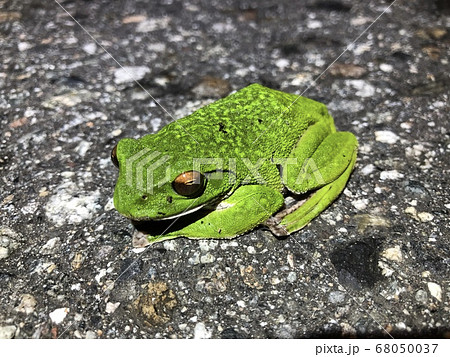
(243, 210)
(326, 170)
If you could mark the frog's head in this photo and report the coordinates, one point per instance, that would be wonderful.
(161, 182)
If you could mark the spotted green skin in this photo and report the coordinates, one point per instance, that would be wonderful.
(254, 126)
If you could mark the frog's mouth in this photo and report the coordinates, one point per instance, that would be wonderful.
(166, 225)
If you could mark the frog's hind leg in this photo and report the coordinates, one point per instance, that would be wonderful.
(320, 200)
(327, 171)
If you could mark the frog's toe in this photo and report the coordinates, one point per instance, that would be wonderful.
(140, 239)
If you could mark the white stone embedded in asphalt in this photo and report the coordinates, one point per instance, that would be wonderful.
(90, 48)
(363, 88)
(27, 304)
(391, 175)
(435, 290)
(130, 74)
(59, 315)
(394, 254)
(111, 307)
(200, 331)
(385, 67)
(7, 332)
(386, 136)
(425, 216)
(69, 205)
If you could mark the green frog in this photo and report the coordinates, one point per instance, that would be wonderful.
(257, 157)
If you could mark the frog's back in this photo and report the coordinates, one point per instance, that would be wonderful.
(253, 122)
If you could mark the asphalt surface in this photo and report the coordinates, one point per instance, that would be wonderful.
(374, 264)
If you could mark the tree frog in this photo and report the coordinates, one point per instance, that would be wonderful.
(257, 157)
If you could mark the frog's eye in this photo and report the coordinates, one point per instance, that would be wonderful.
(114, 157)
(189, 184)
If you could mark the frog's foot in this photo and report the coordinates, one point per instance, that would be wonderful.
(291, 204)
(140, 239)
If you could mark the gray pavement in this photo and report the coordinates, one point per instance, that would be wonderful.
(374, 264)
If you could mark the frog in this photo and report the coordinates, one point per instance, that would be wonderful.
(258, 157)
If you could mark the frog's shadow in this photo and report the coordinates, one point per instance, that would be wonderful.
(166, 226)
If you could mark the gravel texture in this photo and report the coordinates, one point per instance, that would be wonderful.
(375, 263)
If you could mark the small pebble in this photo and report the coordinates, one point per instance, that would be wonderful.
(282, 63)
(134, 19)
(425, 216)
(203, 245)
(200, 331)
(368, 169)
(156, 124)
(116, 132)
(170, 245)
(292, 276)
(83, 147)
(411, 211)
(336, 297)
(59, 315)
(207, 258)
(360, 204)
(275, 280)
(363, 88)
(349, 71)
(394, 254)
(130, 74)
(421, 296)
(240, 303)
(385, 269)
(70, 206)
(138, 250)
(386, 67)
(4, 252)
(386, 136)
(7, 332)
(50, 247)
(111, 307)
(90, 335)
(391, 175)
(90, 48)
(70, 99)
(435, 290)
(23, 46)
(314, 24)
(27, 304)
(153, 24)
(360, 20)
